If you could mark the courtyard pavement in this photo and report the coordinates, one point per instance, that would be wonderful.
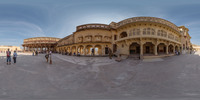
(100, 78)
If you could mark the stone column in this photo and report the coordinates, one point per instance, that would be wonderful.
(84, 50)
(65, 50)
(181, 49)
(103, 50)
(40, 49)
(70, 50)
(76, 50)
(141, 49)
(174, 49)
(24, 48)
(155, 49)
(167, 51)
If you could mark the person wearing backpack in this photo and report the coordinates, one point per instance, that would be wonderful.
(14, 56)
(47, 56)
(8, 53)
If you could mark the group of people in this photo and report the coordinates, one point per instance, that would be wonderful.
(177, 52)
(8, 55)
(35, 53)
(47, 56)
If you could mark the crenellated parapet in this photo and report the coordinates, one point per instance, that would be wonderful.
(92, 26)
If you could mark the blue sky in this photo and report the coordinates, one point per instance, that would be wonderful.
(20, 19)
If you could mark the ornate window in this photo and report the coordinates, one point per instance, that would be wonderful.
(152, 31)
(130, 32)
(134, 31)
(138, 31)
(115, 37)
(123, 34)
(148, 31)
(176, 38)
(171, 36)
(165, 34)
(144, 31)
(162, 33)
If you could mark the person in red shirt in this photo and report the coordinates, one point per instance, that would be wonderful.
(8, 53)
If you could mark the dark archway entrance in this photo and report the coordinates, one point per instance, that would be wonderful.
(171, 49)
(106, 50)
(148, 48)
(134, 48)
(161, 49)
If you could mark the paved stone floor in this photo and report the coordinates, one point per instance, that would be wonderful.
(99, 78)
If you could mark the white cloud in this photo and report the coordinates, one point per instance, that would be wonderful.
(21, 27)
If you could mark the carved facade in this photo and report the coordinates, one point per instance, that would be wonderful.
(3, 49)
(87, 37)
(133, 36)
(40, 44)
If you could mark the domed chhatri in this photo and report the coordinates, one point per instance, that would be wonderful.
(137, 36)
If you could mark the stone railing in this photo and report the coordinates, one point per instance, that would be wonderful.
(92, 26)
(146, 19)
(42, 41)
(167, 37)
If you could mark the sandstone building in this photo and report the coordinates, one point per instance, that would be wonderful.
(137, 36)
(196, 47)
(4, 48)
(40, 44)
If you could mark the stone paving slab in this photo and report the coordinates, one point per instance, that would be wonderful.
(153, 60)
(96, 78)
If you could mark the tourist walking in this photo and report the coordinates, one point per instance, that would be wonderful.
(92, 51)
(36, 53)
(8, 53)
(50, 54)
(33, 53)
(15, 56)
(47, 56)
(78, 54)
